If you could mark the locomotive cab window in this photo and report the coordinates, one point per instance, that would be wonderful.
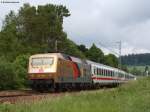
(42, 61)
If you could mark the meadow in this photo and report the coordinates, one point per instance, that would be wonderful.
(131, 97)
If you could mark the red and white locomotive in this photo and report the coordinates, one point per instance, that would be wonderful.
(58, 70)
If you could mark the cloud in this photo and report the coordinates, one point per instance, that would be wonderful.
(105, 21)
(108, 21)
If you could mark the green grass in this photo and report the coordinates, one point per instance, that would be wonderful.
(141, 68)
(131, 97)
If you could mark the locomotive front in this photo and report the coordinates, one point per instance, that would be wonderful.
(42, 70)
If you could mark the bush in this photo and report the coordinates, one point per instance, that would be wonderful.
(21, 68)
(8, 78)
(13, 75)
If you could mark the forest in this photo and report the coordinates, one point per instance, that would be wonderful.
(136, 59)
(34, 30)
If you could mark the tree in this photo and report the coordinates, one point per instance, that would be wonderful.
(111, 60)
(82, 48)
(95, 54)
(69, 47)
(41, 27)
(9, 43)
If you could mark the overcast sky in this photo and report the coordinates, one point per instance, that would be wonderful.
(103, 22)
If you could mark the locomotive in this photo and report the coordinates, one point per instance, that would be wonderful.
(57, 71)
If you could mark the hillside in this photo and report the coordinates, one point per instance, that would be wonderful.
(136, 59)
(131, 97)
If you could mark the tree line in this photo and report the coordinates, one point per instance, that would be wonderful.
(36, 30)
(136, 59)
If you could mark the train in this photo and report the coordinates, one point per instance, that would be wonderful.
(59, 71)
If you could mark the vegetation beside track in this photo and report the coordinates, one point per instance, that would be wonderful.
(131, 97)
(139, 70)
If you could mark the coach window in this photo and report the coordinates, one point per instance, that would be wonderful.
(97, 72)
(100, 71)
(109, 73)
(104, 72)
(94, 71)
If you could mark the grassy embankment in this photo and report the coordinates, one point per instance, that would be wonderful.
(141, 68)
(131, 97)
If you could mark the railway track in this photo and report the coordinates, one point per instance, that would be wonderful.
(12, 97)
(23, 96)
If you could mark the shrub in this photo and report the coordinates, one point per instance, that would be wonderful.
(21, 68)
(8, 78)
(13, 75)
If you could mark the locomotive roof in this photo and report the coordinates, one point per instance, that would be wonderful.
(60, 55)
